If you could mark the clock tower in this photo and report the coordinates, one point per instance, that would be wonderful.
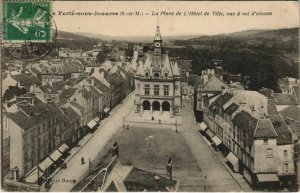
(157, 49)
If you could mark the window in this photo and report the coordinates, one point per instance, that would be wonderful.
(266, 141)
(286, 167)
(156, 75)
(147, 89)
(166, 74)
(269, 153)
(166, 90)
(156, 90)
(146, 74)
(285, 153)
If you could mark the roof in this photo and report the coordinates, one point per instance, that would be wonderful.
(73, 81)
(223, 99)
(297, 93)
(245, 121)
(294, 125)
(98, 84)
(284, 135)
(285, 99)
(231, 108)
(292, 111)
(264, 129)
(138, 180)
(271, 107)
(57, 86)
(214, 85)
(22, 79)
(70, 114)
(65, 95)
(30, 115)
(78, 106)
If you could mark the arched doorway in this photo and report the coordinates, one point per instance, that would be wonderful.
(156, 106)
(166, 106)
(146, 105)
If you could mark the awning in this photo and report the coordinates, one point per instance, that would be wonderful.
(234, 161)
(217, 141)
(55, 155)
(267, 177)
(92, 124)
(63, 148)
(45, 164)
(32, 176)
(209, 133)
(106, 110)
(202, 126)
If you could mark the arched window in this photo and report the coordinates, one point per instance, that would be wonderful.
(156, 75)
(166, 74)
(146, 74)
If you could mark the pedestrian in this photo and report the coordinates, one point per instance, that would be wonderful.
(82, 161)
(169, 168)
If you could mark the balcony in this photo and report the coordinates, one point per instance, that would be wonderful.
(157, 97)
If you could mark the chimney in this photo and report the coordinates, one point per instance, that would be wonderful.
(16, 173)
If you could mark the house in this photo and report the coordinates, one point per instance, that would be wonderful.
(246, 127)
(35, 129)
(17, 79)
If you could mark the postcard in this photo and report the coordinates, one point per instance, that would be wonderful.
(158, 96)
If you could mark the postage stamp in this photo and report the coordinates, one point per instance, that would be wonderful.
(26, 20)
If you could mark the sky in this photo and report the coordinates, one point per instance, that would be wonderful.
(284, 15)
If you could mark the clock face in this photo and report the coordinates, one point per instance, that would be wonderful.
(157, 44)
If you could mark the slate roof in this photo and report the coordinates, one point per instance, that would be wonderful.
(98, 84)
(65, 95)
(70, 114)
(284, 135)
(78, 106)
(285, 99)
(223, 99)
(245, 121)
(22, 79)
(292, 111)
(264, 129)
(31, 115)
(231, 108)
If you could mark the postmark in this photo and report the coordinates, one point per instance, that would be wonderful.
(26, 20)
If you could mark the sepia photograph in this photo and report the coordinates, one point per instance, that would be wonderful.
(150, 96)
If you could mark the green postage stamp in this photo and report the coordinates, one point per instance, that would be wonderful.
(26, 20)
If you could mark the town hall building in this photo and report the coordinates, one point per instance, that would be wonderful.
(158, 83)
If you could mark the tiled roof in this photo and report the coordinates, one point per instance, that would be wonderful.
(231, 108)
(297, 93)
(214, 85)
(245, 121)
(292, 111)
(264, 129)
(271, 107)
(31, 115)
(284, 135)
(285, 99)
(223, 99)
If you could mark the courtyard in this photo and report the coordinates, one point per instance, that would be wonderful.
(150, 148)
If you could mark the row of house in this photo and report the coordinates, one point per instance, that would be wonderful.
(248, 129)
(43, 123)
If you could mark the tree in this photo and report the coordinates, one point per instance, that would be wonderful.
(100, 57)
(13, 91)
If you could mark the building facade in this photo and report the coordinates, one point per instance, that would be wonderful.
(158, 82)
